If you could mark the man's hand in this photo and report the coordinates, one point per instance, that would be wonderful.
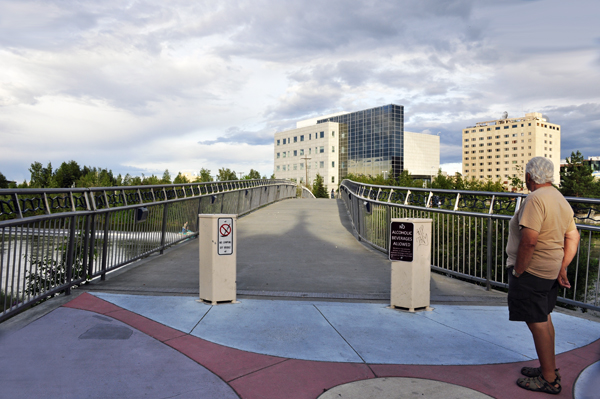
(563, 280)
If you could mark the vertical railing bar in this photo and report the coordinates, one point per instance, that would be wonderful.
(164, 227)
(105, 247)
(70, 254)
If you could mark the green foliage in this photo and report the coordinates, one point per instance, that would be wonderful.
(204, 176)
(3, 181)
(67, 174)
(516, 182)
(48, 272)
(8, 301)
(96, 177)
(576, 179)
(253, 174)
(41, 177)
(318, 188)
(226, 174)
(180, 179)
(166, 178)
(442, 181)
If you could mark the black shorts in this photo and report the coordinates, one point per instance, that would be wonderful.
(530, 298)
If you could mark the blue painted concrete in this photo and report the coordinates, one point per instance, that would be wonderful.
(587, 385)
(353, 332)
(278, 328)
(179, 312)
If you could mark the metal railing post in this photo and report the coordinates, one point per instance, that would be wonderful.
(488, 272)
(164, 228)
(92, 241)
(105, 247)
(70, 255)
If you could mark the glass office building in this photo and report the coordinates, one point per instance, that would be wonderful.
(371, 140)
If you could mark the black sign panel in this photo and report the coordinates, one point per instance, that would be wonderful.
(402, 241)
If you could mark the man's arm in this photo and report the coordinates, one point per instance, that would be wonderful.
(527, 245)
(571, 244)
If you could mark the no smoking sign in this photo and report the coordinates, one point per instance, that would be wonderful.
(225, 236)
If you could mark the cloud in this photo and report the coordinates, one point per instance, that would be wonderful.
(144, 86)
(236, 135)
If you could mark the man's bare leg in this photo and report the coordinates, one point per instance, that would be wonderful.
(543, 337)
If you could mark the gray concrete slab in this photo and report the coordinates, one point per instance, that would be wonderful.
(361, 332)
(293, 248)
(71, 353)
(396, 387)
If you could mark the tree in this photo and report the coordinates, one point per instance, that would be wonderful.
(442, 181)
(41, 177)
(3, 181)
(576, 179)
(516, 182)
(253, 174)
(180, 179)
(319, 190)
(166, 178)
(204, 176)
(226, 174)
(67, 174)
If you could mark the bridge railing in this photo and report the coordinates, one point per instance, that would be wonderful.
(54, 239)
(470, 232)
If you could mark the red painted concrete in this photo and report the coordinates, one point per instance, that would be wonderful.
(89, 302)
(227, 363)
(298, 379)
(150, 327)
(257, 376)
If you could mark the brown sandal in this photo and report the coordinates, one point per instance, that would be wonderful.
(536, 372)
(539, 384)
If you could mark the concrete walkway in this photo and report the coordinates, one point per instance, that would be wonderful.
(143, 334)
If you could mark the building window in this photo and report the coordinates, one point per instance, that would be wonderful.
(333, 134)
(283, 141)
(284, 168)
(302, 138)
(295, 139)
(295, 166)
(497, 127)
(310, 136)
(295, 153)
(322, 164)
(278, 142)
(302, 152)
(284, 154)
(322, 134)
(278, 155)
(278, 168)
(332, 148)
(322, 150)
(309, 151)
(333, 179)
(333, 164)
(301, 166)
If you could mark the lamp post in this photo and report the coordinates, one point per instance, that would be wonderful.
(306, 168)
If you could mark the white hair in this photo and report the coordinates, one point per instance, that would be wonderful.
(541, 170)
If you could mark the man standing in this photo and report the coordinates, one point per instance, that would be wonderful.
(542, 241)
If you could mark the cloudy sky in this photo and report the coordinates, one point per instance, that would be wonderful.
(142, 86)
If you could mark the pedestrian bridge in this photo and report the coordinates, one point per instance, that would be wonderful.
(144, 239)
(329, 334)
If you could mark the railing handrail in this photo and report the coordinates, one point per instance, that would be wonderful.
(472, 239)
(492, 196)
(468, 192)
(87, 193)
